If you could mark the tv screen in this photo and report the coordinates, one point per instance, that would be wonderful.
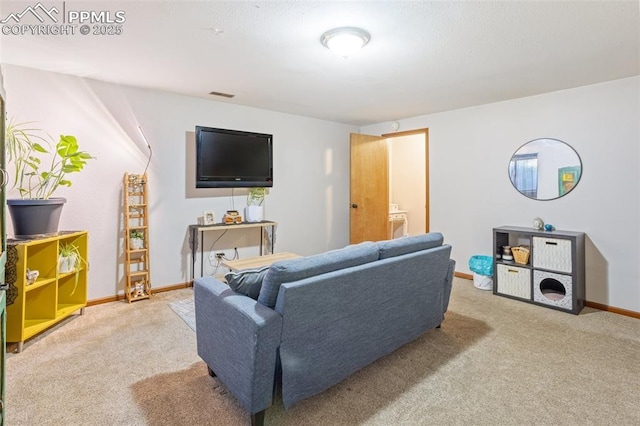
(233, 159)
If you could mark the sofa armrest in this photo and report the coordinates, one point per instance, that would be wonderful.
(238, 338)
(448, 284)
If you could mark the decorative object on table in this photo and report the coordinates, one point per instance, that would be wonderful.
(231, 217)
(506, 253)
(548, 227)
(538, 224)
(208, 217)
(39, 171)
(521, 254)
(254, 212)
(32, 276)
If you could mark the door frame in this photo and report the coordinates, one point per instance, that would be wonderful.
(425, 132)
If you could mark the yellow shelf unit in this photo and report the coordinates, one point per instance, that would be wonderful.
(137, 268)
(53, 296)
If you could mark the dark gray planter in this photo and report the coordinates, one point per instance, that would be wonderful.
(35, 218)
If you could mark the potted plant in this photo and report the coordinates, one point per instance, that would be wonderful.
(70, 260)
(38, 172)
(254, 212)
(136, 239)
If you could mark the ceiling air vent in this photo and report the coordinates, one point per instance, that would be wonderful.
(224, 95)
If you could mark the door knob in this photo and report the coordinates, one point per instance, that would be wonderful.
(354, 206)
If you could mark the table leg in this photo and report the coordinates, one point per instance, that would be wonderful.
(193, 244)
(261, 239)
(201, 253)
(273, 238)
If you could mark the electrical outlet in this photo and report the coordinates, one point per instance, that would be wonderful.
(220, 255)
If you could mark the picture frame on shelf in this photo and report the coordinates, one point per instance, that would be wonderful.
(208, 217)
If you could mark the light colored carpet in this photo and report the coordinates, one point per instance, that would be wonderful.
(495, 361)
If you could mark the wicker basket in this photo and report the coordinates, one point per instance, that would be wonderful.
(520, 255)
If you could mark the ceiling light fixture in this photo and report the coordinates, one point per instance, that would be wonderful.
(345, 41)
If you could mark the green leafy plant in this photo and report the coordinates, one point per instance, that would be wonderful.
(134, 233)
(39, 171)
(70, 250)
(256, 196)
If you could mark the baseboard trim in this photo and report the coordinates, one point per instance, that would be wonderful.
(613, 309)
(602, 307)
(153, 290)
(462, 275)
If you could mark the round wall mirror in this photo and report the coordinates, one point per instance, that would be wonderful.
(545, 169)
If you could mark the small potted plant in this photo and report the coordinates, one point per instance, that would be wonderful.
(70, 260)
(38, 172)
(136, 239)
(254, 212)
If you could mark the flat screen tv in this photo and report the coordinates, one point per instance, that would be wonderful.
(233, 159)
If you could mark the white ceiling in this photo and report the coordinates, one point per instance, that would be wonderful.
(424, 56)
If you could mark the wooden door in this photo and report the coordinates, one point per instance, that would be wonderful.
(369, 208)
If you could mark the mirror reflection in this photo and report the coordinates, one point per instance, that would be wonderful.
(545, 169)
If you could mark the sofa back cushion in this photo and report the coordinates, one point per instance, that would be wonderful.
(305, 267)
(336, 323)
(400, 246)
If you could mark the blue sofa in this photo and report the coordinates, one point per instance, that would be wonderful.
(319, 319)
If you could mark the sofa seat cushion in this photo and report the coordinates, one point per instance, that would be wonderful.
(400, 246)
(305, 267)
(247, 282)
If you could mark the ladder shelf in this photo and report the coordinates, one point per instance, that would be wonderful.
(136, 247)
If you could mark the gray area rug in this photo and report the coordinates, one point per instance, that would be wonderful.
(186, 311)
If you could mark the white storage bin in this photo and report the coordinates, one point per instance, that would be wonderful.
(553, 289)
(514, 281)
(552, 253)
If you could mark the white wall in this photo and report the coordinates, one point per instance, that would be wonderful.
(470, 191)
(309, 199)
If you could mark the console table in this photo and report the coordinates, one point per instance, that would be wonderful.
(258, 261)
(398, 216)
(193, 238)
